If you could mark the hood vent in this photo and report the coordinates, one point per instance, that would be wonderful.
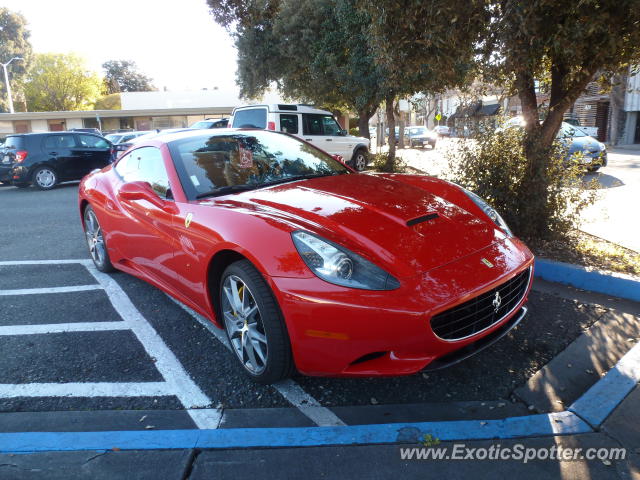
(424, 218)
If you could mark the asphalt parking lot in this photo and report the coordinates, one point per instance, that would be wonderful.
(75, 340)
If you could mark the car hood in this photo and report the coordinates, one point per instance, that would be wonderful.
(397, 225)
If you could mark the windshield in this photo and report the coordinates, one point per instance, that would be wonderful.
(417, 131)
(572, 131)
(210, 165)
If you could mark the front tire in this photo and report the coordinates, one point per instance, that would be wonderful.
(96, 242)
(254, 324)
(45, 178)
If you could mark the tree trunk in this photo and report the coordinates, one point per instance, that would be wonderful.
(364, 116)
(391, 124)
(401, 130)
(538, 143)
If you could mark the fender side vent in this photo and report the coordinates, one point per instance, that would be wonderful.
(424, 218)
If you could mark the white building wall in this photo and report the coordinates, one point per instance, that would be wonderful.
(39, 126)
(632, 98)
(73, 123)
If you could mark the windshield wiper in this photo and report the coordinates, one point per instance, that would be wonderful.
(296, 178)
(228, 189)
(243, 188)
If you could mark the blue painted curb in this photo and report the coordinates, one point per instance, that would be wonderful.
(580, 277)
(562, 423)
(604, 396)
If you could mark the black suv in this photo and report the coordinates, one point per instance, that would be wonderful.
(45, 159)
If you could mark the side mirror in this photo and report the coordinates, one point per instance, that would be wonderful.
(140, 191)
(121, 147)
(343, 133)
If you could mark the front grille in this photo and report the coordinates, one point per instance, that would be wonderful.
(479, 313)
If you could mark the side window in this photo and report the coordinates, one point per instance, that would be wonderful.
(289, 123)
(56, 142)
(312, 124)
(250, 118)
(92, 141)
(146, 165)
(330, 126)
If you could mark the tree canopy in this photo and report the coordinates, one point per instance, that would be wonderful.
(14, 42)
(59, 82)
(123, 76)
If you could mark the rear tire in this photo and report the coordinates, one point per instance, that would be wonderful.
(360, 159)
(45, 178)
(254, 324)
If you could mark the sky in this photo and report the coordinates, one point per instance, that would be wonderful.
(176, 43)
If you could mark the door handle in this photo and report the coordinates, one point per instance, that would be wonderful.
(308, 139)
(329, 139)
(53, 153)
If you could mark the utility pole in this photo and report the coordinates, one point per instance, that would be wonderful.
(6, 82)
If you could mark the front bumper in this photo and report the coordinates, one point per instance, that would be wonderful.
(337, 331)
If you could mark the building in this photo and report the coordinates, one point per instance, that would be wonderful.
(631, 132)
(140, 111)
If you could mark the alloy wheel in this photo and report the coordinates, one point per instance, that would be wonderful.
(95, 240)
(45, 178)
(360, 162)
(244, 325)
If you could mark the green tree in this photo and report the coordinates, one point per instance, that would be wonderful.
(14, 42)
(568, 43)
(562, 45)
(313, 51)
(423, 46)
(59, 82)
(123, 76)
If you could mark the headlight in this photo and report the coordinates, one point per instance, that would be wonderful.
(602, 146)
(490, 211)
(336, 264)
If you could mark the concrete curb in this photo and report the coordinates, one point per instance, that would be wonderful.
(616, 284)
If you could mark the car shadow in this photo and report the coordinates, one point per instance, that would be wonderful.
(604, 180)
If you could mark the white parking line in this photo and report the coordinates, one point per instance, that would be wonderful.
(62, 327)
(125, 389)
(81, 261)
(290, 390)
(167, 364)
(40, 291)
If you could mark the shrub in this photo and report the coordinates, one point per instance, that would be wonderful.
(493, 165)
(379, 163)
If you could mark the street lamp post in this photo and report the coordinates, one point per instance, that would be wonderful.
(6, 81)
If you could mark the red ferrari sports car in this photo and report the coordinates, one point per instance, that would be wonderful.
(305, 263)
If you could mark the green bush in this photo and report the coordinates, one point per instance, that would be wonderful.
(354, 131)
(379, 161)
(493, 166)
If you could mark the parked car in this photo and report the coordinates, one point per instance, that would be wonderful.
(124, 137)
(86, 130)
(594, 153)
(575, 121)
(45, 159)
(442, 130)
(317, 127)
(211, 123)
(421, 136)
(305, 263)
